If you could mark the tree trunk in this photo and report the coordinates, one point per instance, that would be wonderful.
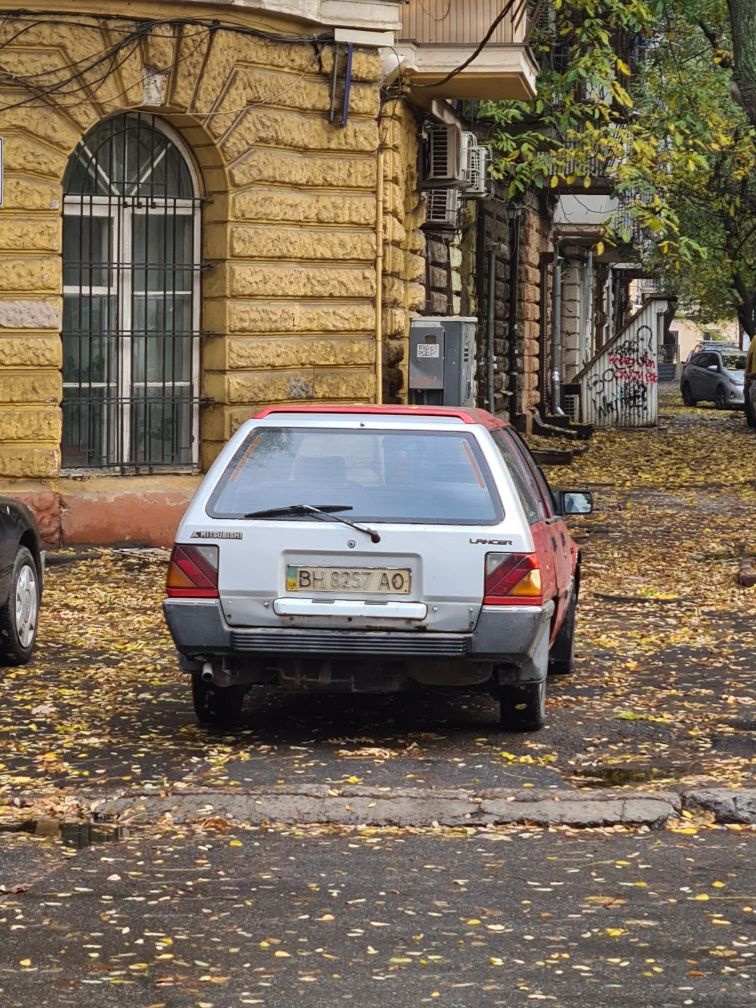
(747, 306)
(743, 20)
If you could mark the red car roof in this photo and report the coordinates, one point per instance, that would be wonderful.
(469, 415)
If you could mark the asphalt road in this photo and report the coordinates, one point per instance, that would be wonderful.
(215, 915)
(219, 918)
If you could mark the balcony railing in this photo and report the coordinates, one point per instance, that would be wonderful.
(462, 22)
(439, 36)
(591, 173)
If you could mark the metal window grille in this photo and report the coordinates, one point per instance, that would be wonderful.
(131, 286)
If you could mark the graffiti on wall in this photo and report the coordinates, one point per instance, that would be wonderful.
(620, 386)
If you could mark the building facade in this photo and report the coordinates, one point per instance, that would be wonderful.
(209, 207)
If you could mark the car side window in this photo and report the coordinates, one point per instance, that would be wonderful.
(535, 473)
(527, 490)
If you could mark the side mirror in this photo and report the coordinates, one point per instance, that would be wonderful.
(574, 502)
(712, 367)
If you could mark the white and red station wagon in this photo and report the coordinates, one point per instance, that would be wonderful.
(375, 548)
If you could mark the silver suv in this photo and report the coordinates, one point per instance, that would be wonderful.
(375, 549)
(714, 374)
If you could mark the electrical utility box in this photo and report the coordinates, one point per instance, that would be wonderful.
(442, 361)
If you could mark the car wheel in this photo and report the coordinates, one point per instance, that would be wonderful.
(720, 397)
(523, 706)
(688, 395)
(20, 614)
(216, 705)
(562, 653)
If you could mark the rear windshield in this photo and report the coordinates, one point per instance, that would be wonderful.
(734, 362)
(419, 476)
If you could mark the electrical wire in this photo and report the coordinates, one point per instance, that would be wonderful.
(432, 16)
(169, 22)
(63, 106)
(44, 85)
(132, 41)
(54, 89)
(250, 105)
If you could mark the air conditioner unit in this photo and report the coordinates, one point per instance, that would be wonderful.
(442, 209)
(477, 172)
(443, 157)
(571, 405)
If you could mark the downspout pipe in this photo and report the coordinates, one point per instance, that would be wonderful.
(379, 211)
(586, 350)
(491, 331)
(514, 215)
(556, 337)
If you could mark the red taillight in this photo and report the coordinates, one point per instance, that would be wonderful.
(193, 572)
(512, 579)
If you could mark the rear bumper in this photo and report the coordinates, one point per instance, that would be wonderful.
(505, 634)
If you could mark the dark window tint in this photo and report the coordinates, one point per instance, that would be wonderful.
(532, 467)
(527, 490)
(379, 475)
(734, 362)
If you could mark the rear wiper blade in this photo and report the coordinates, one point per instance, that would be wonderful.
(324, 512)
(299, 509)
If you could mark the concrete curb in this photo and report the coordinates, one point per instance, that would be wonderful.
(727, 806)
(360, 806)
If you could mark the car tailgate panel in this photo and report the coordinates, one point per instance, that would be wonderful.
(444, 566)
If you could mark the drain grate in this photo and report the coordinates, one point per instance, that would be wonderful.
(76, 835)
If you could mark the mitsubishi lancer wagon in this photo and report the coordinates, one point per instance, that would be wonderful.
(375, 549)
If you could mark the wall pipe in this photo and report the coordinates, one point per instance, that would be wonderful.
(347, 84)
(586, 350)
(381, 173)
(556, 338)
(491, 331)
(515, 217)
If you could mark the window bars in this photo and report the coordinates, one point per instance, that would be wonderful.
(131, 286)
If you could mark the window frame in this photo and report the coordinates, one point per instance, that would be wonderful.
(121, 209)
(528, 490)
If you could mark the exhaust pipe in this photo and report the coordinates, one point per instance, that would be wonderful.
(207, 672)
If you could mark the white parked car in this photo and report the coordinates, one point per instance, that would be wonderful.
(375, 549)
(715, 374)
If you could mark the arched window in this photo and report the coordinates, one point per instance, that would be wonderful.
(130, 300)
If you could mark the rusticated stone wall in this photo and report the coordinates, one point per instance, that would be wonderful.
(403, 289)
(492, 234)
(289, 223)
(535, 239)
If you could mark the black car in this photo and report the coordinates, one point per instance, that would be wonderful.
(21, 574)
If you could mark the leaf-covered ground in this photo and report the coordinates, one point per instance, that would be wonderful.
(663, 694)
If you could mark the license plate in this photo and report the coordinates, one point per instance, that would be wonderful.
(350, 580)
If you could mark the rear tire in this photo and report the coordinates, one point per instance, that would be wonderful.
(720, 397)
(687, 396)
(217, 706)
(523, 706)
(20, 614)
(562, 654)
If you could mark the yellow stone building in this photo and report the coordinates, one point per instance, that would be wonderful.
(208, 207)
